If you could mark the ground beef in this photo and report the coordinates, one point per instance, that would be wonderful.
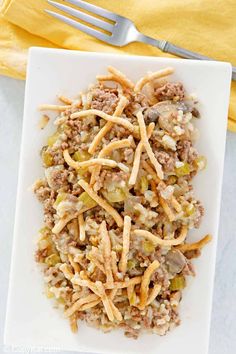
(129, 155)
(47, 197)
(166, 160)
(199, 214)
(131, 332)
(188, 269)
(186, 152)
(192, 254)
(151, 115)
(195, 112)
(143, 207)
(49, 212)
(43, 193)
(161, 276)
(169, 91)
(57, 178)
(63, 241)
(40, 255)
(57, 156)
(136, 102)
(104, 99)
(76, 126)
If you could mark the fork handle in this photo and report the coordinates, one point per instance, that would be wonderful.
(168, 47)
(184, 53)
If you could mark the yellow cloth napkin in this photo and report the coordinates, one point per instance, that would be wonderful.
(203, 26)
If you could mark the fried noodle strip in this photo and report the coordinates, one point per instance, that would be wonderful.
(126, 242)
(117, 120)
(53, 107)
(159, 241)
(105, 300)
(150, 170)
(167, 209)
(122, 79)
(77, 305)
(137, 156)
(119, 144)
(81, 227)
(116, 216)
(156, 75)
(107, 127)
(153, 293)
(196, 245)
(145, 283)
(145, 142)
(87, 163)
(106, 248)
(65, 100)
(114, 265)
(62, 223)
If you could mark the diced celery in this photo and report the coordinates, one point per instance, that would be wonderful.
(47, 158)
(131, 264)
(189, 209)
(200, 162)
(148, 246)
(171, 180)
(53, 138)
(118, 248)
(144, 184)
(61, 300)
(177, 283)
(43, 244)
(52, 260)
(87, 200)
(49, 294)
(81, 156)
(44, 230)
(136, 131)
(63, 127)
(60, 198)
(133, 299)
(117, 195)
(183, 170)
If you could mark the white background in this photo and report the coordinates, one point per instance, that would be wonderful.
(223, 326)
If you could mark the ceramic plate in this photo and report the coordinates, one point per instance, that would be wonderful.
(31, 319)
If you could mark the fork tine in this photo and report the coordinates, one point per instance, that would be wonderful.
(80, 26)
(82, 16)
(95, 9)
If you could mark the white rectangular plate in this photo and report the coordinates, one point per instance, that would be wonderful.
(31, 319)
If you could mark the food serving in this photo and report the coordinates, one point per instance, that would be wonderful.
(118, 203)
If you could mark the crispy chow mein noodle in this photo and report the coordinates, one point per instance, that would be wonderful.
(118, 203)
(107, 127)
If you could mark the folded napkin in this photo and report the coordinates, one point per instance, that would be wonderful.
(203, 26)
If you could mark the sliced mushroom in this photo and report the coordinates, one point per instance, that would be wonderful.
(162, 113)
(175, 261)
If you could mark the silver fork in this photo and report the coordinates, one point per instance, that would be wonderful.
(120, 32)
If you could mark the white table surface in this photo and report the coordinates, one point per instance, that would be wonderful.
(223, 324)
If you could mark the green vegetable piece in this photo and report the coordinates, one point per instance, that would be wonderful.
(148, 246)
(52, 260)
(53, 138)
(81, 156)
(117, 195)
(47, 159)
(143, 184)
(131, 264)
(200, 162)
(189, 210)
(60, 197)
(87, 200)
(177, 283)
(183, 170)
